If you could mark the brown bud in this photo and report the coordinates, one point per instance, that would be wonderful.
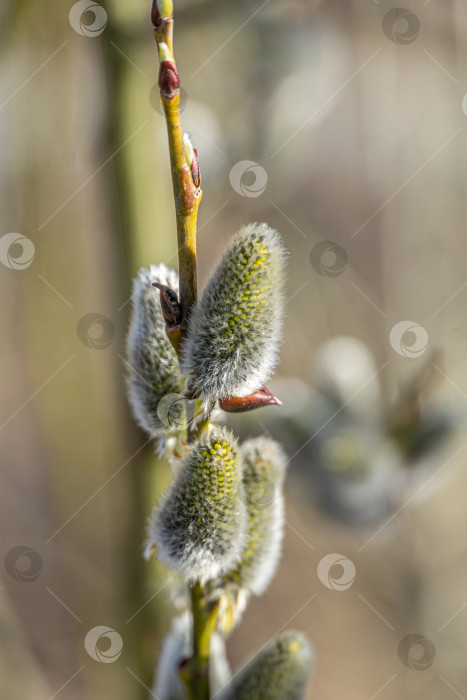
(195, 169)
(171, 309)
(156, 18)
(168, 78)
(162, 10)
(240, 404)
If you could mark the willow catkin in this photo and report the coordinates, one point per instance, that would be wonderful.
(234, 330)
(153, 370)
(264, 466)
(198, 528)
(278, 672)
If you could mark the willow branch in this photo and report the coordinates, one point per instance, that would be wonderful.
(185, 173)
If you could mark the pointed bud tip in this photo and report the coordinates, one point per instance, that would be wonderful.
(195, 172)
(169, 304)
(241, 404)
(192, 159)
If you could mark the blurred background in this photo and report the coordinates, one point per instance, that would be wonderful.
(342, 124)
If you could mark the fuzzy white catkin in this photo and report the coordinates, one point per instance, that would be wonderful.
(264, 467)
(235, 328)
(178, 646)
(278, 672)
(153, 370)
(198, 528)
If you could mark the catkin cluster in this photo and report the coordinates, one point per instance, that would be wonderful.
(220, 522)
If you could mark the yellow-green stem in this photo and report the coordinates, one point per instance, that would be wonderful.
(187, 197)
(204, 623)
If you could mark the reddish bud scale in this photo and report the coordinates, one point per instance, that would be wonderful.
(168, 79)
(240, 404)
(156, 18)
(195, 169)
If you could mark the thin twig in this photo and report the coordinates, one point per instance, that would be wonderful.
(185, 176)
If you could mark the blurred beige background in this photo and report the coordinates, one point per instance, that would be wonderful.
(354, 121)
